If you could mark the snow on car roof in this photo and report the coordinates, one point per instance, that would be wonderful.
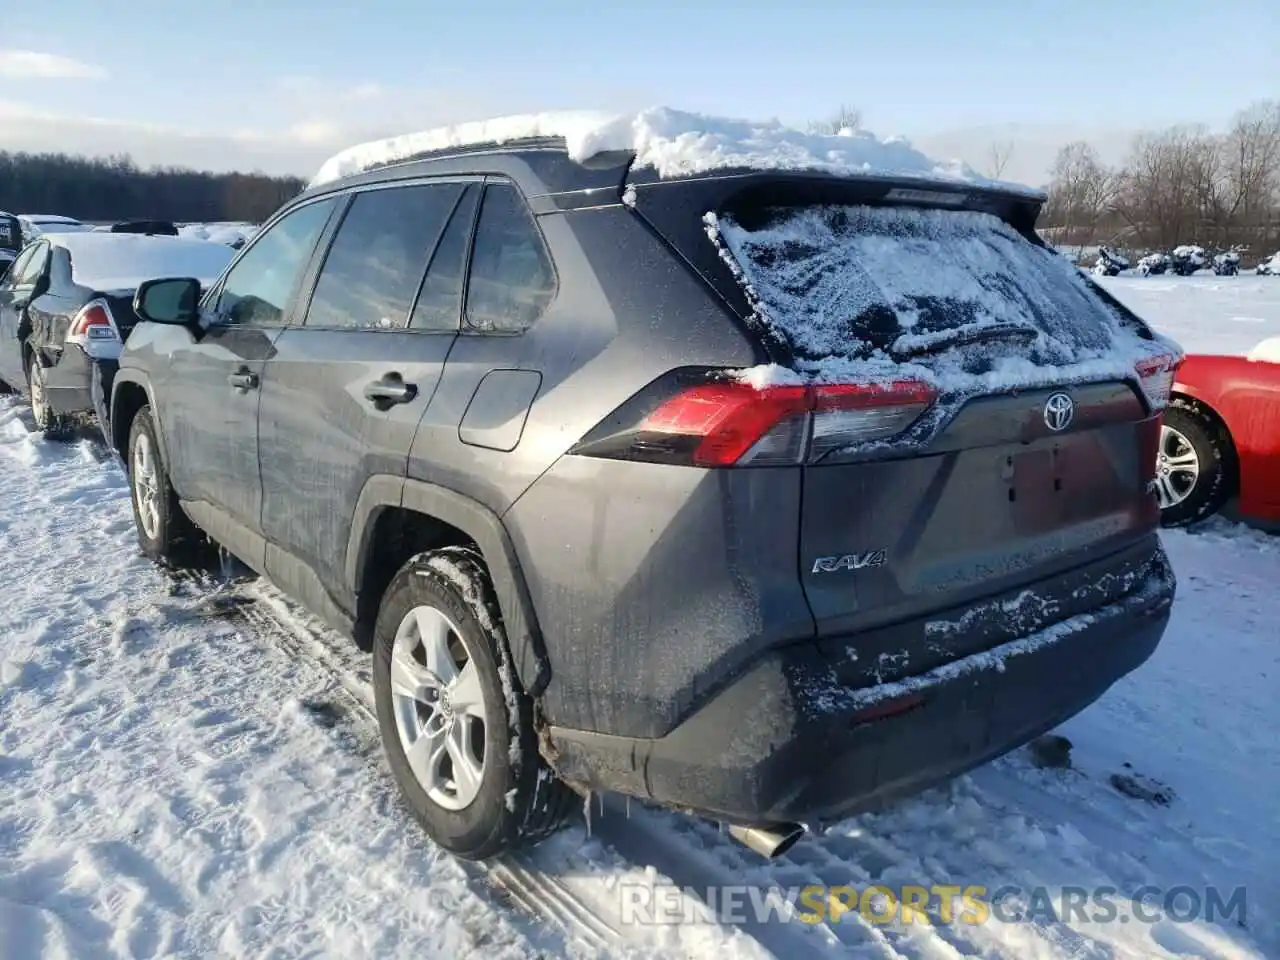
(121, 261)
(676, 143)
(48, 218)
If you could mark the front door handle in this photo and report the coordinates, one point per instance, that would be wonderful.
(390, 390)
(243, 380)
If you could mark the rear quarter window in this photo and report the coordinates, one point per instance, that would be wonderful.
(511, 280)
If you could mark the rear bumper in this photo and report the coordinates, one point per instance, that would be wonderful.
(69, 382)
(785, 742)
(102, 377)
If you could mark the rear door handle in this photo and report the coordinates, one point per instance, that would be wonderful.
(243, 380)
(390, 390)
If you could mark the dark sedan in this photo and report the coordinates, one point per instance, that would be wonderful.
(10, 240)
(66, 306)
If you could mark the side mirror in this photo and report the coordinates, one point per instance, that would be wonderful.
(174, 300)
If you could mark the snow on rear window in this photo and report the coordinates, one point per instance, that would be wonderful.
(947, 293)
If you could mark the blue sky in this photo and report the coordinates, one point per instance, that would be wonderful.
(294, 79)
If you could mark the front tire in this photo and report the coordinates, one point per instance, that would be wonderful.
(457, 730)
(1195, 466)
(164, 531)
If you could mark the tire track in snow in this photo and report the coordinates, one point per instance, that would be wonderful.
(272, 618)
(689, 853)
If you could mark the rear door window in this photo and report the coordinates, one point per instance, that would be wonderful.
(511, 281)
(377, 261)
(440, 299)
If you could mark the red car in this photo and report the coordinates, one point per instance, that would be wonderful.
(1221, 438)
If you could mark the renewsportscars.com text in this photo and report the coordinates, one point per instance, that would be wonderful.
(909, 903)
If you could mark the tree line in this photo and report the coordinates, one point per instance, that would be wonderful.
(115, 188)
(1182, 185)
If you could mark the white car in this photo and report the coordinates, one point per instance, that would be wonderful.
(36, 225)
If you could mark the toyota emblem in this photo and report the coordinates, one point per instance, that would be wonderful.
(1059, 411)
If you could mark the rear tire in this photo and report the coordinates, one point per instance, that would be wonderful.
(443, 686)
(1196, 465)
(165, 533)
(53, 425)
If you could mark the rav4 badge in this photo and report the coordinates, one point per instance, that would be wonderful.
(849, 561)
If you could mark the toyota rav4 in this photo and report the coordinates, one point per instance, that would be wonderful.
(753, 488)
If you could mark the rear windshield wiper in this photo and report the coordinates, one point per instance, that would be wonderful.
(916, 346)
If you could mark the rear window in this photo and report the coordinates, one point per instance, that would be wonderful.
(859, 282)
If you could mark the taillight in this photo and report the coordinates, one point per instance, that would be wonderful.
(93, 323)
(93, 332)
(702, 419)
(1156, 376)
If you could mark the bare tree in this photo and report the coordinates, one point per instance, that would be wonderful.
(845, 118)
(1080, 192)
(1170, 186)
(998, 156)
(1251, 170)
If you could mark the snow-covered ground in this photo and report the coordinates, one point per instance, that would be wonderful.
(1206, 314)
(188, 768)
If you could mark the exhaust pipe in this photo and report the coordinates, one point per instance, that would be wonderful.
(768, 840)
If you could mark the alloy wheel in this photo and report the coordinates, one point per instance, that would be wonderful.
(146, 486)
(1177, 468)
(439, 707)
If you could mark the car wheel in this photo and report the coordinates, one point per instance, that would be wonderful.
(457, 729)
(164, 532)
(52, 425)
(1194, 465)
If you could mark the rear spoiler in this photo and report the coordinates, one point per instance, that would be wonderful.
(675, 208)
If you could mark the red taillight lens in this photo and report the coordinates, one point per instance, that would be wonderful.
(697, 420)
(1156, 375)
(92, 322)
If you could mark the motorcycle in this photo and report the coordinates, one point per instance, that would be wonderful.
(1154, 264)
(1109, 263)
(1187, 259)
(1226, 264)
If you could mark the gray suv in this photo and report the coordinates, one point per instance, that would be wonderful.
(768, 496)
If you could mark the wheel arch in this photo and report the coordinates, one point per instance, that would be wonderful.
(437, 517)
(131, 392)
(1200, 407)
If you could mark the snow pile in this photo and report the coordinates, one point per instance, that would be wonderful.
(1268, 351)
(675, 143)
(1270, 266)
(121, 261)
(955, 298)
